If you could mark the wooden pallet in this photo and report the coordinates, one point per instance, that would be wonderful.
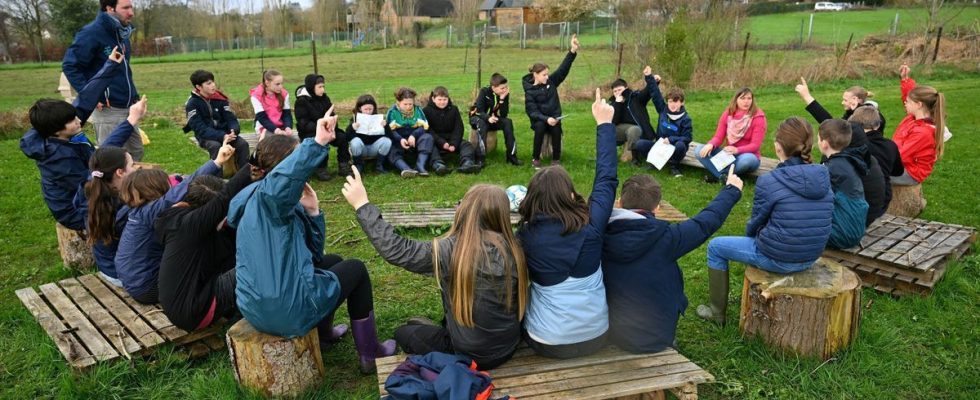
(900, 255)
(425, 214)
(610, 373)
(90, 320)
(765, 165)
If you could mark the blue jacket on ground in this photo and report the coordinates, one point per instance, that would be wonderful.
(568, 301)
(455, 378)
(644, 284)
(676, 127)
(850, 205)
(792, 212)
(64, 163)
(278, 290)
(139, 252)
(91, 48)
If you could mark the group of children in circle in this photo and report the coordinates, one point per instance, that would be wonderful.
(576, 273)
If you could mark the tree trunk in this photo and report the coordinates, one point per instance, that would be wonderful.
(273, 365)
(907, 201)
(75, 251)
(812, 313)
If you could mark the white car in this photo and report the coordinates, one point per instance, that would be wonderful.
(828, 6)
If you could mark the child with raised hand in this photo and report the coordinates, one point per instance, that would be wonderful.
(644, 284)
(197, 268)
(61, 150)
(311, 102)
(874, 181)
(479, 267)
(790, 221)
(446, 128)
(409, 124)
(490, 112)
(856, 97)
(106, 215)
(919, 136)
(374, 142)
(271, 104)
(543, 106)
(846, 169)
(285, 284)
(209, 115)
(674, 125)
(741, 130)
(147, 192)
(562, 236)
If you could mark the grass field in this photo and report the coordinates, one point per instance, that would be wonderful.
(836, 27)
(907, 348)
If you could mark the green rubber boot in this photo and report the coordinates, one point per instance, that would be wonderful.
(718, 296)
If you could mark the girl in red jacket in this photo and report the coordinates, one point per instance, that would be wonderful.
(920, 134)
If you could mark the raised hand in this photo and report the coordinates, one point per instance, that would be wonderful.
(136, 111)
(733, 179)
(804, 91)
(309, 201)
(647, 71)
(574, 47)
(326, 128)
(354, 190)
(224, 153)
(904, 71)
(602, 112)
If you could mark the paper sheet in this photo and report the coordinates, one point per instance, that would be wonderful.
(722, 160)
(370, 124)
(660, 154)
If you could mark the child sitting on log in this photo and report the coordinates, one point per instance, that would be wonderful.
(644, 284)
(919, 136)
(285, 284)
(374, 142)
(147, 192)
(409, 124)
(490, 112)
(846, 169)
(562, 236)
(209, 115)
(479, 267)
(446, 128)
(790, 222)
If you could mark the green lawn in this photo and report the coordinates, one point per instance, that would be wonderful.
(907, 348)
(836, 27)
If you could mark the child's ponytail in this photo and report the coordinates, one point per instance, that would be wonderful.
(101, 194)
(939, 117)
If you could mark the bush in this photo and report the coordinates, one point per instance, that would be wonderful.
(676, 52)
(777, 7)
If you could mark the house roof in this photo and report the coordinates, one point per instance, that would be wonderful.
(435, 8)
(492, 4)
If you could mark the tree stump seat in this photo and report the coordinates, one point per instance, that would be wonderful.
(907, 201)
(812, 313)
(491, 140)
(274, 365)
(76, 253)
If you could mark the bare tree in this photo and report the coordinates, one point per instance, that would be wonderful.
(5, 37)
(29, 17)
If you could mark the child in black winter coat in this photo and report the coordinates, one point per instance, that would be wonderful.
(543, 106)
(311, 103)
(446, 127)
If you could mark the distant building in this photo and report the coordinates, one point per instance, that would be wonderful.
(511, 13)
(424, 11)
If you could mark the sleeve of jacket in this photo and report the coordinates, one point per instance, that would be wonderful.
(720, 131)
(305, 121)
(692, 233)
(231, 119)
(77, 58)
(685, 133)
(456, 138)
(906, 85)
(758, 132)
(178, 192)
(91, 92)
(261, 117)
(558, 75)
(281, 188)
(504, 110)
(653, 93)
(205, 219)
(761, 208)
(287, 115)
(195, 119)
(818, 112)
(67, 208)
(604, 187)
(481, 106)
(413, 255)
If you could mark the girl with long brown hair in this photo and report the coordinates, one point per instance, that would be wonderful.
(105, 223)
(479, 266)
(920, 134)
(562, 237)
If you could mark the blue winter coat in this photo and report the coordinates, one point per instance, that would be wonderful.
(64, 163)
(92, 46)
(456, 379)
(210, 119)
(792, 212)
(850, 205)
(278, 290)
(644, 284)
(139, 252)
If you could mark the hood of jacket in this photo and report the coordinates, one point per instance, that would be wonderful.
(37, 148)
(527, 81)
(855, 156)
(802, 181)
(443, 113)
(216, 96)
(310, 84)
(629, 234)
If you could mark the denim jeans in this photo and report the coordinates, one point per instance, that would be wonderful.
(742, 249)
(380, 148)
(744, 163)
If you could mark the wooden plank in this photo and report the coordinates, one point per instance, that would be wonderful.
(917, 255)
(73, 351)
(151, 314)
(953, 247)
(214, 329)
(591, 370)
(117, 335)
(143, 332)
(878, 230)
(622, 384)
(90, 337)
(886, 244)
(878, 264)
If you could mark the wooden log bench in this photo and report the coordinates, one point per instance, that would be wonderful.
(766, 164)
(273, 365)
(608, 374)
(900, 255)
(425, 214)
(813, 313)
(90, 320)
(491, 140)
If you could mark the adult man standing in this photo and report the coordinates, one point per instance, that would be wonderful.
(92, 46)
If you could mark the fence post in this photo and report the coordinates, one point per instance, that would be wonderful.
(616, 35)
(802, 22)
(541, 30)
(939, 35)
(895, 25)
(578, 25)
(523, 36)
(316, 68)
(809, 34)
(384, 36)
(745, 48)
(449, 37)
(292, 44)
